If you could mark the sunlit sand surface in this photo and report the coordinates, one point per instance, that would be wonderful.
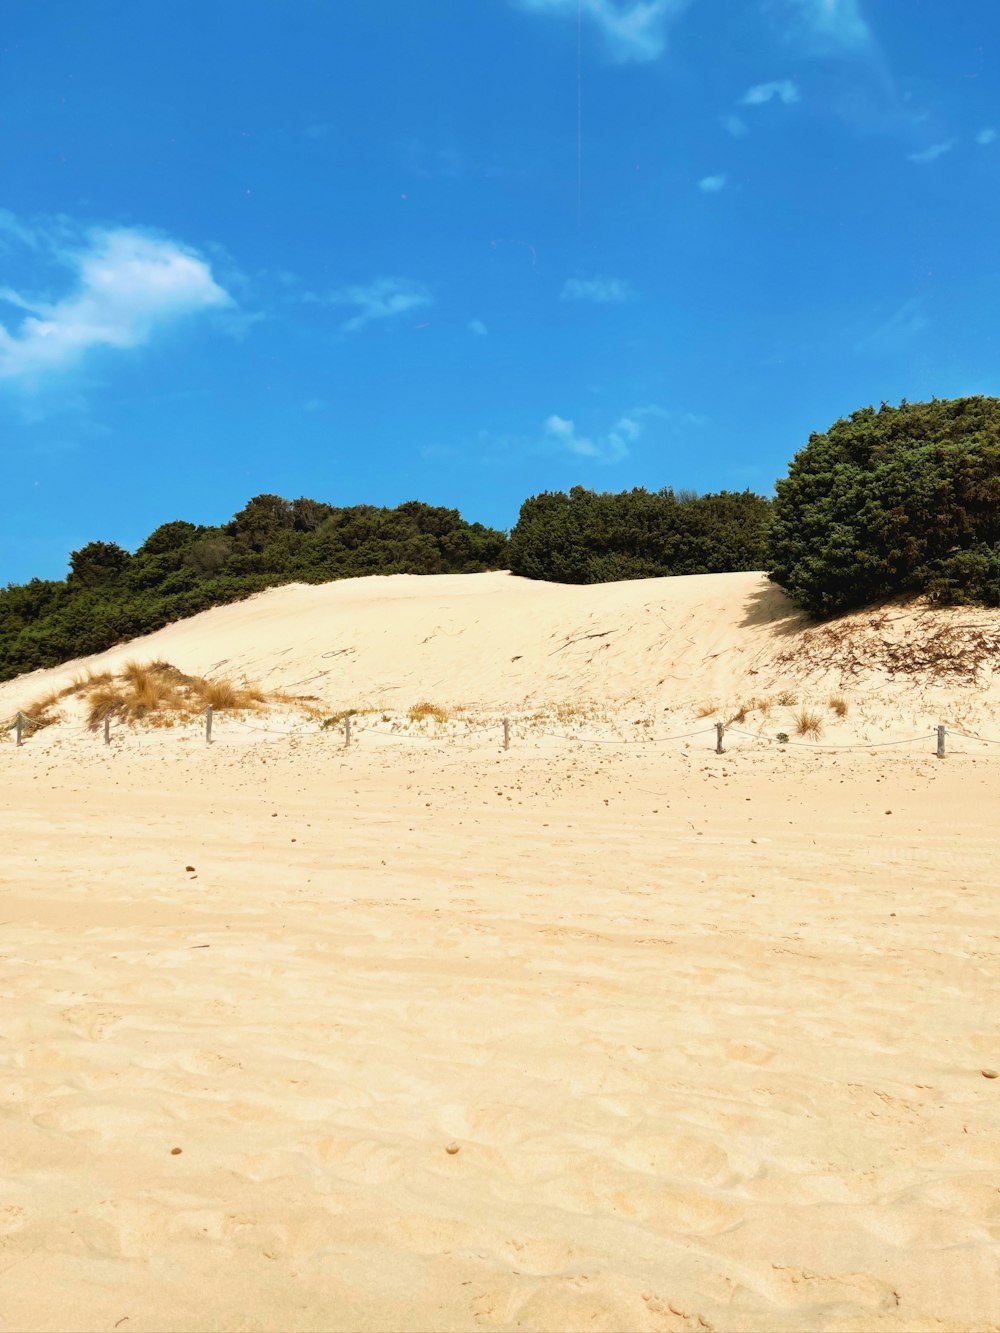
(427, 1034)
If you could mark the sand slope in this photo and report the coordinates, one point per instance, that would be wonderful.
(708, 1032)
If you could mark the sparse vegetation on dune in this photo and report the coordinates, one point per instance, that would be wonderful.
(837, 705)
(420, 712)
(154, 691)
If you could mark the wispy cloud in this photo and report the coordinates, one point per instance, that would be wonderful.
(385, 298)
(477, 327)
(712, 184)
(605, 291)
(932, 153)
(985, 137)
(735, 125)
(823, 27)
(633, 29)
(895, 334)
(126, 286)
(784, 90)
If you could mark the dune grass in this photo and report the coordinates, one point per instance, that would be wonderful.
(420, 712)
(157, 692)
(808, 723)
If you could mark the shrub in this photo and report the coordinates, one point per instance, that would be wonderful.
(590, 537)
(905, 499)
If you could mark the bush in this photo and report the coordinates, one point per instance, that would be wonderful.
(906, 499)
(590, 537)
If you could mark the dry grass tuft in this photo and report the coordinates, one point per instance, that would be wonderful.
(42, 712)
(158, 693)
(838, 705)
(705, 710)
(787, 699)
(423, 710)
(107, 700)
(221, 695)
(808, 723)
(81, 683)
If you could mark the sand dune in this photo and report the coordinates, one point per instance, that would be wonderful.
(567, 1036)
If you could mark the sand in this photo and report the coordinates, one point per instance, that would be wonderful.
(574, 1035)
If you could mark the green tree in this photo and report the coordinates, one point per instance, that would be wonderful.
(97, 564)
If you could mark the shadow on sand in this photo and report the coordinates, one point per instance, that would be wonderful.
(769, 605)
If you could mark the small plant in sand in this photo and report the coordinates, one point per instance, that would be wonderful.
(422, 711)
(705, 710)
(837, 705)
(787, 699)
(335, 719)
(808, 723)
(782, 738)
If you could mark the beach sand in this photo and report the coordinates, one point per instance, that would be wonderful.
(427, 1034)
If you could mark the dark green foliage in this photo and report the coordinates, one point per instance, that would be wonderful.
(97, 564)
(591, 537)
(180, 569)
(906, 499)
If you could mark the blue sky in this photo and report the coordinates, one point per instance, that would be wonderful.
(467, 250)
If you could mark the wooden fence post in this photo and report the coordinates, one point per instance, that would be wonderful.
(347, 731)
(208, 725)
(506, 733)
(720, 731)
(940, 747)
(107, 728)
(19, 725)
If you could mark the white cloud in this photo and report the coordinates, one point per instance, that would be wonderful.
(932, 153)
(604, 291)
(477, 327)
(128, 285)
(385, 298)
(712, 184)
(985, 137)
(609, 448)
(734, 125)
(633, 29)
(782, 89)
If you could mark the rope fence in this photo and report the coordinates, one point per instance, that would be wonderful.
(22, 724)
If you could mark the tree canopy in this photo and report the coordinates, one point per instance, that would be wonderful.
(903, 499)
